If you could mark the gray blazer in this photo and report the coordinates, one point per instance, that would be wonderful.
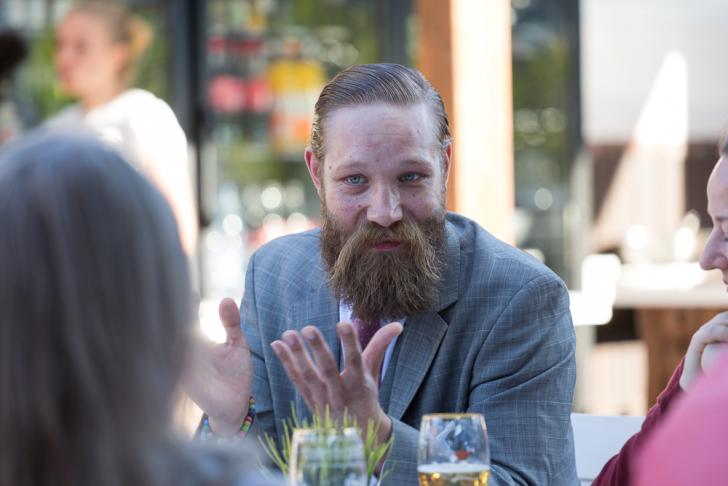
(499, 342)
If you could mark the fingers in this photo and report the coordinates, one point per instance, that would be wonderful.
(319, 380)
(327, 366)
(373, 355)
(319, 383)
(709, 339)
(711, 353)
(716, 334)
(714, 331)
(283, 349)
(230, 319)
(350, 347)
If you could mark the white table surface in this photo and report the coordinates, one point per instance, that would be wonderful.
(669, 285)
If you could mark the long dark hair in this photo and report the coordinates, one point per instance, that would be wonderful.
(94, 313)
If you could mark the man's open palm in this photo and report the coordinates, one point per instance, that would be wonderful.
(220, 379)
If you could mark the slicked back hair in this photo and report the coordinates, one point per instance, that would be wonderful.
(368, 84)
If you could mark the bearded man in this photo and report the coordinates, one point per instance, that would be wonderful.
(481, 326)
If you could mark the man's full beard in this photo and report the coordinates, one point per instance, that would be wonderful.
(385, 285)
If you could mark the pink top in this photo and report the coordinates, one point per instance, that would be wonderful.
(691, 446)
(618, 471)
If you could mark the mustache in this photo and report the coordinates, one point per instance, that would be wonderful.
(367, 235)
(373, 234)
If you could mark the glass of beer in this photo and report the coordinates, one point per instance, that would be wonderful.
(453, 450)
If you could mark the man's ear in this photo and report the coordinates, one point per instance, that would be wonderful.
(312, 163)
(446, 161)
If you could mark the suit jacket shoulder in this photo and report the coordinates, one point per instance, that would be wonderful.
(291, 264)
(490, 265)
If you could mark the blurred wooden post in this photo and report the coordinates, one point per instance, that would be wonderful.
(667, 334)
(465, 52)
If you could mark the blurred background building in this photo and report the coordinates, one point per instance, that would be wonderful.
(581, 128)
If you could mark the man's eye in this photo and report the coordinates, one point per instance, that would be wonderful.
(355, 180)
(410, 177)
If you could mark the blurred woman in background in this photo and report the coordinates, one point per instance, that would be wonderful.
(95, 316)
(98, 47)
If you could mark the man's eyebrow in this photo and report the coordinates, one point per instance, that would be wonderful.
(416, 163)
(721, 219)
(356, 164)
(352, 164)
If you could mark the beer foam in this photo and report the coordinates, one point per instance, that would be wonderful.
(450, 468)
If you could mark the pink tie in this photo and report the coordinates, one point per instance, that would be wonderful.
(365, 331)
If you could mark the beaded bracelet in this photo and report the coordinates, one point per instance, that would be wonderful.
(207, 435)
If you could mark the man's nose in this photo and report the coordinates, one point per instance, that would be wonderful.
(713, 255)
(384, 208)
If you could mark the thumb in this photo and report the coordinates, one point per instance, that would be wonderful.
(230, 319)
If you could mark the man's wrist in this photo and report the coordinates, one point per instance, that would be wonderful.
(227, 429)
(224, 429)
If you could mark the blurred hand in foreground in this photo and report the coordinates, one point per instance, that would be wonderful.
(705, 345)
(220, 378)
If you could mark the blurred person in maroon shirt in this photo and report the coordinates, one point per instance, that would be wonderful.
(692, 445)
(682, 440)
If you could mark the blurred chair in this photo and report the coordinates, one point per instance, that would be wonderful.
(592, 305)
(597, 438)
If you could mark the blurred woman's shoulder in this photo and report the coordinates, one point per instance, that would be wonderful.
(70, 116)
(140, 96)
(135, 102)
(129, 104)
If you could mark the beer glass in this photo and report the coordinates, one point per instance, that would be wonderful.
(327, 458)
(453, 450)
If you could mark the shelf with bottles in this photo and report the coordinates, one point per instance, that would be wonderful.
(235, 15)
(236, 53)
(274, 108)
(237, 95)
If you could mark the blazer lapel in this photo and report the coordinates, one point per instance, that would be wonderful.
(422, 335)
(420, 340)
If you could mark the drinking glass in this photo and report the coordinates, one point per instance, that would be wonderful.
(453, 450)
(327, 458)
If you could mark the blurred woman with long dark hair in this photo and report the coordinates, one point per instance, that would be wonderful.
(95, 316)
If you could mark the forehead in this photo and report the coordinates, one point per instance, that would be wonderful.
(84, 24)
(363, 132)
